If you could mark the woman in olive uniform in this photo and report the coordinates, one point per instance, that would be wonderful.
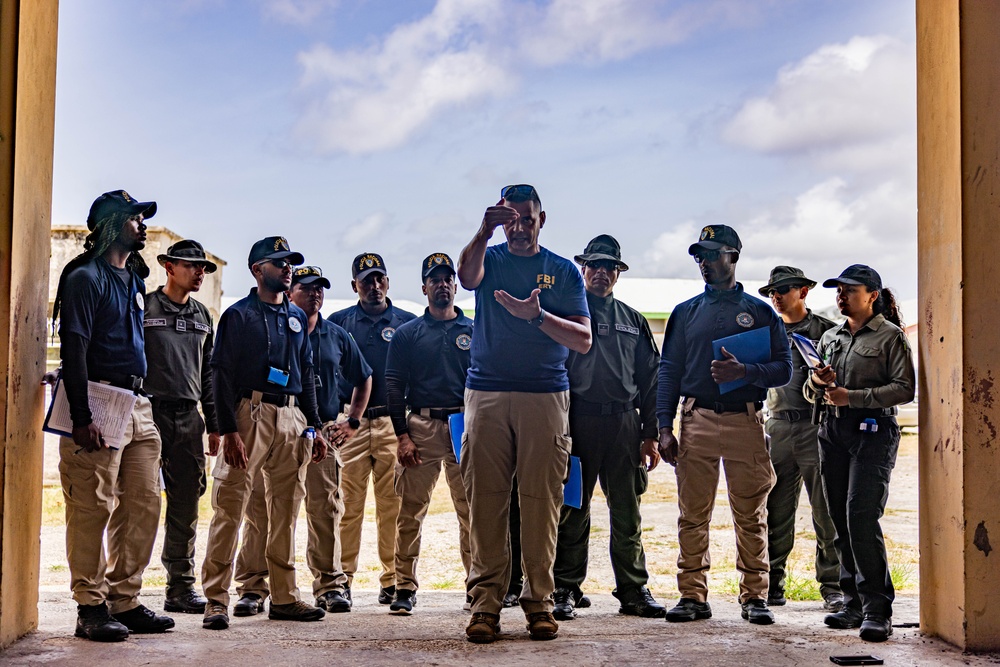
(867, 372)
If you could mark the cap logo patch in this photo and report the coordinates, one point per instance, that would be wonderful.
(368, 261)
(707, 233)
(280, 244)
(438, 260)
(464, 341)
(388, 333)
(126, 196)
(745, 320)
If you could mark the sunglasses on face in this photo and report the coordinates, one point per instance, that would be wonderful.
(280, 264)
(605, 264)
(711, 255)
(783, 290)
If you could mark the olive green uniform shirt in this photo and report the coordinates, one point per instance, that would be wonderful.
(790, 397)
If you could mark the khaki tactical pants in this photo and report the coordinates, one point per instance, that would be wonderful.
(737, 439)
(414, 487)
(508, 433)
(370, 454)
(118, 491)
(275, 448)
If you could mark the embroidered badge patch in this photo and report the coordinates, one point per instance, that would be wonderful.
(745, 320)
(627, 329)
(157, 322)
(603, 329)
(388, 333)
(294, 324)
(139, 301)
(707, 233)
(464, 341)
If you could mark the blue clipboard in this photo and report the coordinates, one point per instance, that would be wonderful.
(750, 347)
(572, 489)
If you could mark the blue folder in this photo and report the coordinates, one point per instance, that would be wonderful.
(749, 347)
(572, 489)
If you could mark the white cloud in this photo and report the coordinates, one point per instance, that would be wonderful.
(297, 12)
(845, 104)
(369, 228)
(467, 52)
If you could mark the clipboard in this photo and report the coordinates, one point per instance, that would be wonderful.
(572, 489)
(808, 351)
(111, 408)
(750, 347)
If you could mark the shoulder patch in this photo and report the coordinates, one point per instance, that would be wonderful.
(204, 328)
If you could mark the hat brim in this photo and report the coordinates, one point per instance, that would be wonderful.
(210, 266)
(802, 282)
(427, 273)
(833, 282)
(147, 208)
(309, 280)
(375, 269)
(597, 256)
(705, 245)
(293, 258)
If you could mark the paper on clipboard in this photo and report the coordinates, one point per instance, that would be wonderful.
(110, 407)
(807, 350)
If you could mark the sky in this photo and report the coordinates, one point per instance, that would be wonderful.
(389, 127)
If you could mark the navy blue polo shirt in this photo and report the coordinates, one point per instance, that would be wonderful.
(100, 307)
(336, 356)
(245, 350)
(431, 358)
(508, 354)
(686, 364)
(372, 334)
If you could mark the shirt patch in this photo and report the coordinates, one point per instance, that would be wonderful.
(204, 328)
(745, 320)
(388, 333)
(603, 329)
(627, 329)
(182, 324)
(294, 324)
(464, 341)
(545, 281)
(155, 322)
(139, 301)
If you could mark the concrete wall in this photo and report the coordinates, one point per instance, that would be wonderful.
(958, 92)
(27, 115)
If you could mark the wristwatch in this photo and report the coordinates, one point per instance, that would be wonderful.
(537, 322)
(354, 423)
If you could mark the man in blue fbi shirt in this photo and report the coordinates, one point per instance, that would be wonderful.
(718, 426)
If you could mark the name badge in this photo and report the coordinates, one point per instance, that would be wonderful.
(155, 322)
(204, 328)
(627, 329)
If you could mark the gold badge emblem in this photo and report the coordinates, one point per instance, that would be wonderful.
(280, 244)
(707, 233)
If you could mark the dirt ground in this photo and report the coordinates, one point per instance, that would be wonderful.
(434, 634)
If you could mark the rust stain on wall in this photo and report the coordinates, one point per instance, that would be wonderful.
(981, 539)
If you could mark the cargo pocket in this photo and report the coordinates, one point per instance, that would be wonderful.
(641, 480)
(564, 445)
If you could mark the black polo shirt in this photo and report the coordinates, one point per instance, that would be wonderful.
(336, 357)
(252, 337)
(372, 334)
(430, 359)
(686, 365)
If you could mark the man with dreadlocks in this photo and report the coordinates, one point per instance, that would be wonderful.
(100, 294)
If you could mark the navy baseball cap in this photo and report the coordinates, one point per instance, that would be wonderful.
(714, 237)
(436, 261)
(274, 247)
(366, 263)
(309, 275)
(118, 201)
(857, 274)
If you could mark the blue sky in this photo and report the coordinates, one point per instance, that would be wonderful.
(388, 126)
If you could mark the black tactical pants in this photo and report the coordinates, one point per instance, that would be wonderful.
(609, 451)
(183, 464)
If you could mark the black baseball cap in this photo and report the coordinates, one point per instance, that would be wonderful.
(309, 275)
(117, 201)
(366, 263)
(436, 261)
(190, 251)
(273, 247)
(714, 237)
(857, 274)
(786, 275)
(601, 247)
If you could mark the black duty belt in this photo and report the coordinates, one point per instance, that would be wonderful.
(720, 408)
(130, 382)
(173, 403)
(438, 413)
(841, 412)
(591, 409)
(281, 400)
(791, 415)
(376, 412)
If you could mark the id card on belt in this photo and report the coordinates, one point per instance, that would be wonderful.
(277, 376)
